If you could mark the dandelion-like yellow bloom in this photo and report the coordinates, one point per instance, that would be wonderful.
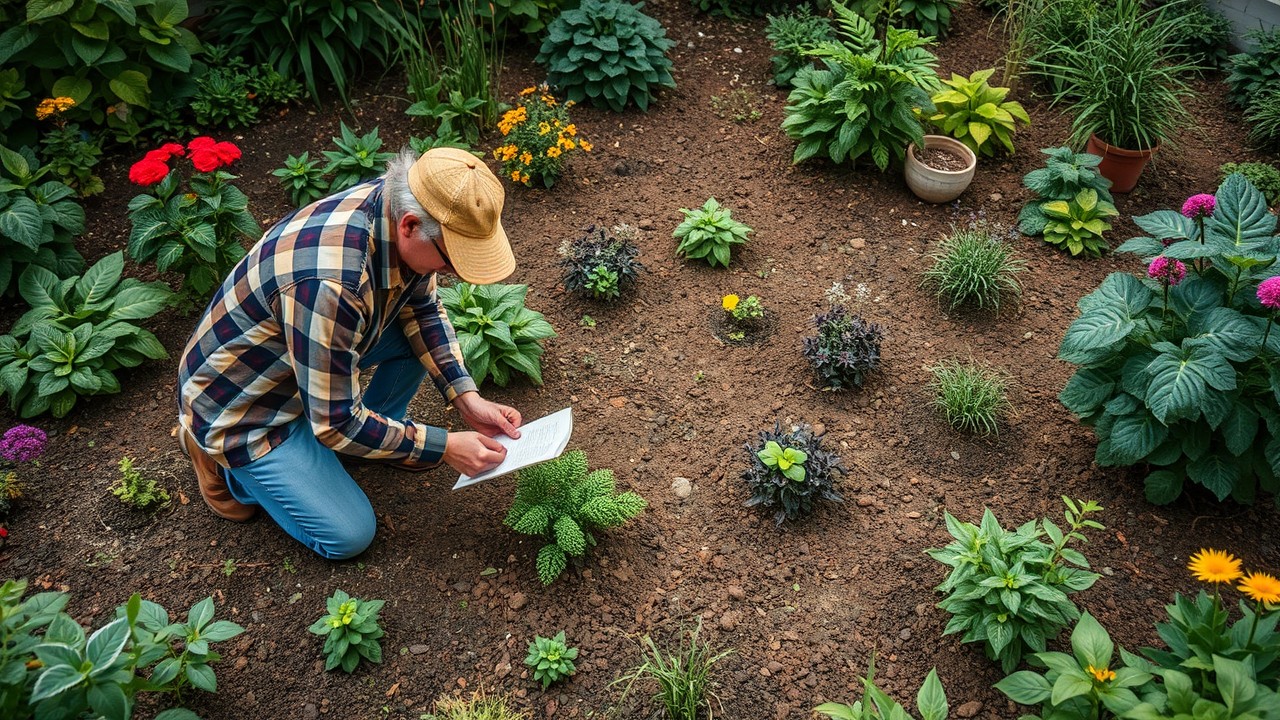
(553, 152)
(729, 302)
(543, 128)
(569, 103)
(1103, 675)
(526, 157)
(528, 91)
(53, 106)
(586, 146)
(1214, 566)
(515, 175)
(565, 143)
(1261, 587)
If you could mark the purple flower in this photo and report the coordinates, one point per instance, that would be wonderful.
(1199, 205)
(1269, 293)
(23, 443)
(1169, 272)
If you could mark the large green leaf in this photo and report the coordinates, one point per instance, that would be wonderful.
(1217, 473)
(1135, 436)
(21, 222)
(1086, 391)
(38, 10)
(98, 280)
(131, 86)
(1227, 332)
(1241, 217)
(1176, 389)
(1096, 330)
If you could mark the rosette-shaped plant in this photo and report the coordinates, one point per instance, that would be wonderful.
(846, 348)
(609, 53)
(791, 470)
(601, 264)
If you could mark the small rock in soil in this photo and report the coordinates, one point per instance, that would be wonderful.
(419, 649)
(737, 593)
(729, 621)
(682, 488)
(969, 709)
(310, 711)
(517, 601)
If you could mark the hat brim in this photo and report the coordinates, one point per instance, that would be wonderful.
(480, 260)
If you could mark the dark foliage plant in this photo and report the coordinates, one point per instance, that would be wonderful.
(609, 53)
(1251, 74)
(39, 219)
(1201, 34)
(774, 481)
(846, 348)
(601, 264)
(930, 17)
(1180, 374)
(791, 35)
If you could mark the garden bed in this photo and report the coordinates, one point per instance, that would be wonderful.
(657, 397)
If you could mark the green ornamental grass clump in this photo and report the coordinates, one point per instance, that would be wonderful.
(350, 631)
(551, 659)
(971, 266)
(682, 677)
(791, 470)
(608, 53)
(499, 336)
(560, 501)
(971, 396)
(709, 233)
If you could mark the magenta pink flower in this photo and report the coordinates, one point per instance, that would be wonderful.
(23, 443)
(1269, 293)
(1198, 206)
(1169, 272)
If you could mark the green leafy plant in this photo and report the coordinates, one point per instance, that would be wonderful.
(972, 266)
(742, 315)
(303, 178)
(609, 53)
(972, 397)
(39, 219)
(452, 67)
(350, 631)
(442, 112)
(1252, 73)
(1263, 176)
(528, 18)
(63, 673)
(1242, 696)
(931, 701)
(683, 676)
(478, 706)
(791, 35)
(551, 659)
(973, 112)
(1201, 34)
(846, 348)
(1078, 225)
(709, 233)
(78, 332)
(740, 8)
(1065, 174)
(601, 264)
(560, 501)
(1200, 629)
(137, 491)
(195, 228)
(72, 154)
(930, 17)
(791, 470)
(223, 99)
(423, 144)
(1263, 117)
(358, 158)
(538, 137)
(1174, 374)
(1010, 590)
(864, 102)
(499, 336)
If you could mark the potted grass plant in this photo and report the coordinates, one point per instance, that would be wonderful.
(1123, 85)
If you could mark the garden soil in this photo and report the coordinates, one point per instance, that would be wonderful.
(658, 397)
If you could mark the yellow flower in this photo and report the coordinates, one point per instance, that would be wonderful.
(1214, 566)
(515, 175)
(729, 302)
(553, 152)
(565, 143)
(543, 128)
(586, 146)
(524, 178)
(1261, 587)
(1103, 675)
(53, 106)
(526, 157)
(527, 91)
(572, 129)
(569, 104)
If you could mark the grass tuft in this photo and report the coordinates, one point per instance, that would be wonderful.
(973, 267)
(971, 396)
(683, 678)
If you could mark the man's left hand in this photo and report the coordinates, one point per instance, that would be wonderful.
(488, 418)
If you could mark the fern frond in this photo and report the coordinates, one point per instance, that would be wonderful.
(551, 562)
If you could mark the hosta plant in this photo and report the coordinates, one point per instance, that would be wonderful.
(499, 336)
(846, 348)
(791, 35)
(195, 228)
(601, 264)
(974, 113)
(709, 233)
(358, 158)
(39, 219)
(350, 631)
(303, 178)
(1251, 73)
(563, 503)
(1078, 225)
(931, 701)
(78, 332)
(930, 17)
(1064, 175)
(1010, 589)
(609, 53)
(1178, 369)
(791, 470)
(551, 659)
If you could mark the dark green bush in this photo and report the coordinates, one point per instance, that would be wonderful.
(1252, 73)
(1264, 176)
(791, 470)
(791, 36)
(1201, 34)
(39, 219)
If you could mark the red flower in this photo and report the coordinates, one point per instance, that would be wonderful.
(174, 149)
(3, 533)
(227, 152)
(159, 156)
(204, 142)
(148, 171)
(206, 159)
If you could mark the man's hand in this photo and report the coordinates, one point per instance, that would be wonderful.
(470, 452)
(488, 418)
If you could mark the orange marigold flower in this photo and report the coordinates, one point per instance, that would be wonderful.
(543, 128)
(526, 157)
(524, 178)
(586, 146)
(1261, 587)
(515, 175)
(527, 91)
(571, 129)
(1103, 675)
(553, 152)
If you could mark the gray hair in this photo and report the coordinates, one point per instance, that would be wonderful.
(400, 197)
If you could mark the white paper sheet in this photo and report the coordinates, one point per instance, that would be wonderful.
(541, 440)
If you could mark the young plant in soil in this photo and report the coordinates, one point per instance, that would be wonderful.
(709, 233)
(551, 659)
(1065, 174)
(742, 316)
(971, 396)
(562, 502)
(847, 347)
(791, 470)
(350, 631)
(303, 178)
(931, 701)
(682, 678)
(358, 158)
(498, 335)
(140, 493)
(1078, 225)
(1009, 590)
(601, 264)
(973, 266)
(479, 706)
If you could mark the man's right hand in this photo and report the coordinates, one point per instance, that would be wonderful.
(471, 453)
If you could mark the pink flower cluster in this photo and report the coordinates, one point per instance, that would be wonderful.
(1269, 293)
(23, 443)
(1169, 272)
(1198, 206)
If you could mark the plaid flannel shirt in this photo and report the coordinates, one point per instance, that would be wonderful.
(283, 336)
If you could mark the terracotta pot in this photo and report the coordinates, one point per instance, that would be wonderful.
(939, 186)
(1122, 167)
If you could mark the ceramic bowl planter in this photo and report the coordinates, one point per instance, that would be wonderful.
(1122, 167)
(939, 186)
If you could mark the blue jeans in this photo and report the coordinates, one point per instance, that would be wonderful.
(302, 485)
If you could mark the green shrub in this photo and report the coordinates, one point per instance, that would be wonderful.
(609, 53)
(350, 631)
(974, 267)
(560, 501)
(78, 332)
(1252, 73)
(791, 470)
(1065, 174)
(1263, 176)
(1201, 34)
(1078, 225)
(303, 178)
(601, 264)
(1200, 629)
(358, 158)
(791, 36)
(864, 102)
(682, 677)
(931, 701)
(72, 154)
(930, 17)
(1178, 379)
(709, 233)
(222, 100)
(62, 673)
(972, 397)
(1034, 579)
(499, 336)
(137, 491)
(973, 112)
(39, 220)
(1263, 117)
(551, 659)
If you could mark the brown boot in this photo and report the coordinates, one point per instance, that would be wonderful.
(212, 487)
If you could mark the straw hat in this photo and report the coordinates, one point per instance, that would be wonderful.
(465, 197)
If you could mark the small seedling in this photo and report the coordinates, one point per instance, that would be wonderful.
(350, 630)
(228, 566)
(738, 105)
(134, 489)
(699, 376)
(551, 659)
(587, 321)
(289, 567)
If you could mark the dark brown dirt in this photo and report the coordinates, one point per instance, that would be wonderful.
(657, 397)
(940, 159)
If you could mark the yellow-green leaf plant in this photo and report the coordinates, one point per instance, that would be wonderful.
(976, 114)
